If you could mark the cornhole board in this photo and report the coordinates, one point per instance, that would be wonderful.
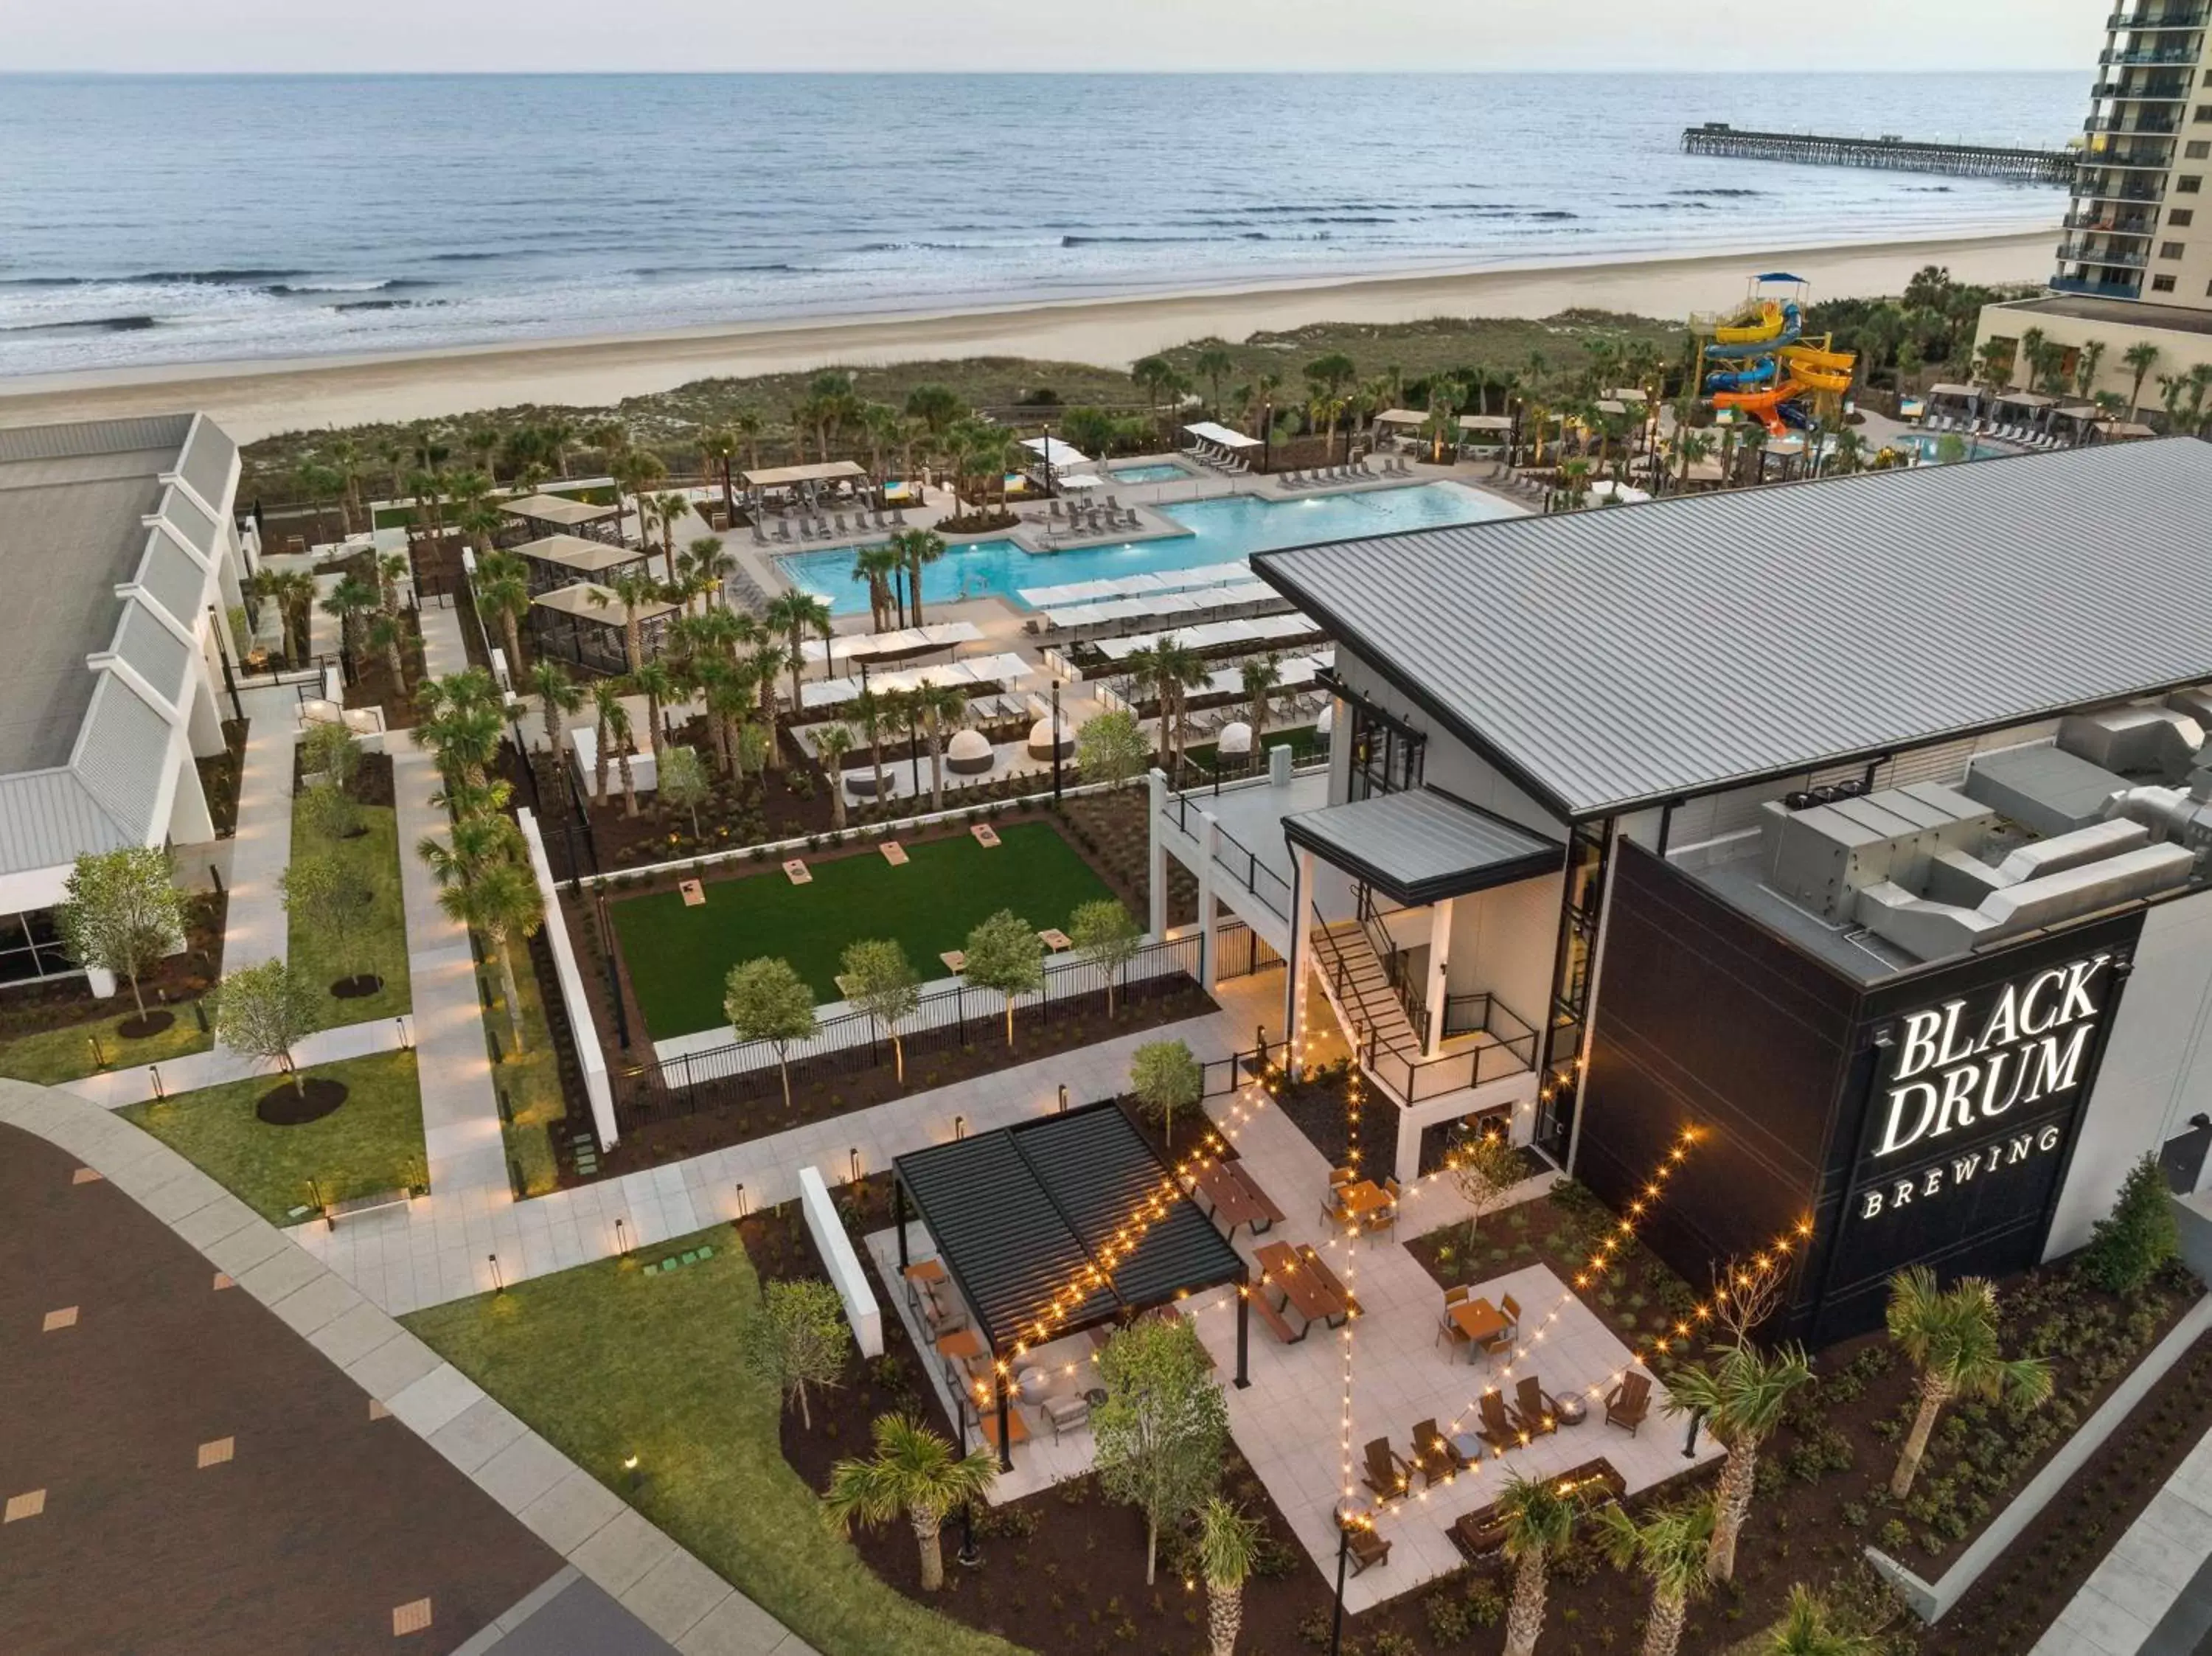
(694, 895)
(986, 836)
(797, 872)
(1055, 940)
(955, 960)
(845, 984)
(894, 853)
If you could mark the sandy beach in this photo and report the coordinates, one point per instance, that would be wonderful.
(255, 399)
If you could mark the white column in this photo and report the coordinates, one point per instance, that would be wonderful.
(1440, 927)
(1157, 879)
(204, 728)
(1209, 958)
(1295, 1012)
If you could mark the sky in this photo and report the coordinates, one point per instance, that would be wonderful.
(318, 36)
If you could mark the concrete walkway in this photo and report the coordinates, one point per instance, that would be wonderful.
(254, 927)
(2152, 1596)
(657, 1583)
(113, 1089)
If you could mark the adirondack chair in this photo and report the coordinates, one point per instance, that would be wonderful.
(1628, 1402)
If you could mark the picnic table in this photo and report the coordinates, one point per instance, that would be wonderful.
(1480, 1320)
(1362, 1198)
(1234, 1199)
(1301, 1288)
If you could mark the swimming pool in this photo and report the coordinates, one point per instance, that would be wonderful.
(1925, 444)
(1165, 472)
(1220, 530)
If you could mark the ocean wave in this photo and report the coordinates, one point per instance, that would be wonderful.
(1165, 242)
(87, 324)
(389, 284)
(216, 278)
(648, 272)
(1732, 195)
(388, 305)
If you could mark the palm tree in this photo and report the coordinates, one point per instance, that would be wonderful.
(2031, 353)
(2200, 386)
(633, 589)
(557, 694)
(764, 663)
(502, 904)
(656, 685)
(389, 569)
(351, 599)
(386, 635)
(1741, 1398)
(1808, 1629)
(613, 730)
(1213, 364)
(1262, 675)
(557, 434)
(1669, 1546)
(831, 744)
(937, 706)
(2086, 362)
(1539, 1520)
(729, 704)
(795, 615)
(718, 451)
(2140, 359)
(1228, 1547)
(745, 426)
(872, 712)
(668, 511)
(1951, 1336)
(876, 565)
(478, 840)
(502, 588)
(917, 549)
(463, 733)
(705, 565)
(636, 471)
(915, 1475)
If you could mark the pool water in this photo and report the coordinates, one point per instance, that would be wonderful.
(1924, 444)
(1163, 473)
(1220, 530)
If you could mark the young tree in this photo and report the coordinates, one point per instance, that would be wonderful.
(1261, 676)
(1165, 1079)
(265, 1011)
(882, 983)
(682, 781)
(1006, 954)
(121, 913)
(1111, 747)
(1668, 1546)
(1485, 1169)
(333, 895)
(766, 1000)
(327, 811)
(1164, 1428)
(2128, 1247)
(1741, 1397)
(1951, 1336)
(331, 752)
(797, 1338)
(1228, 1546)
(1104, 935)
(1539, 1517)
(914, 1474)
(503, 904)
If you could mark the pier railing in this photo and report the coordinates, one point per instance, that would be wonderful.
(1890, 154)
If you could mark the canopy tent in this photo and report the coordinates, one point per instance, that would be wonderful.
(984, 670)
(1026, 1216)
(557, 510)
(2127, 431)
(789, 477)
(1121, 586)
(906, 641)
(1055, 453)
(1630, 394)
(1082, 480)
(2025, 399)
(577, 556)
(1207, 432)
(587, 601)
(1961, 392)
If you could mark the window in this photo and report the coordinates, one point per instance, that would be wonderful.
(31, 948)
(2199, 149)
(2181, 218)
(2172, 249)
(2204, 111)
(2161, 284)
(1386, 756)
(2189, 185)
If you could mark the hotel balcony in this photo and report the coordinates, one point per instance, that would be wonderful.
(2088, 288)
(2149, 90)
(2082, 252)
(2158, 56)
(2090, 187)
(2141, 121)
(2156, 156)
(2140, 226)
(2177, 17)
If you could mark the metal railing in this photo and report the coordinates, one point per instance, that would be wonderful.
(2139, 226)
(1413, 1080)
(2081, 252)
(2095, 289)
(2174, 17)
(2164, 55)
(2161, 125)
(1231, 855)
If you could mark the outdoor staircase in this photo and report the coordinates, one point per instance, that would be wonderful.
(1363, 991)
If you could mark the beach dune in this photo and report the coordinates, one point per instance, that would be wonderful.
(255, 399)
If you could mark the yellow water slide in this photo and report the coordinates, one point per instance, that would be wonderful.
(1822, 370)
(1769, 326)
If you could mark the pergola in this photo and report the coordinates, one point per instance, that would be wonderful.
(790, 478)
(557, 514)
(558, 561)
(583, 625)
(1026, 1214)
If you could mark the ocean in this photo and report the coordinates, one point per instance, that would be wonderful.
(162, 221)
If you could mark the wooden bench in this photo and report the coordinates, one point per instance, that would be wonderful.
(1275, 1319)
(1326, 1278)
(354, 1206)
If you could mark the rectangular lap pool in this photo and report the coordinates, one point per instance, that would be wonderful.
(1220, 531)
(1165, 472)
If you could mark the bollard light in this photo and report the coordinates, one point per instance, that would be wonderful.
(853, 1162)
(622, 1240)
(1063, 1098)
(498, 1282)
(959, 1128)
(741, 1199)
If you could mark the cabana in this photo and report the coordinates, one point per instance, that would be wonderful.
(1054, 455)
(1217, 445)
(824, 477)
(559, 561)
(1485, 430)
(583, 625)
(1030, 1215)
(891, 647)
(557, 515)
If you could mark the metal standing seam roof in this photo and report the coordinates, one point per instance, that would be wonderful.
(1422, 845)
(1611, 660)
(1018, 1213)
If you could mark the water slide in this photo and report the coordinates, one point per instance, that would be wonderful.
(1762, 367)
(1776, 408)
(1781, 328)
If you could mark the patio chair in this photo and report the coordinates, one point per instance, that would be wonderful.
(1384, 1473)
(1536, 1409)
(1386, 1218)
(1446, 1328)
(1497, 1429)
(1366, 1546)
(1064, 1415)
(1628, 1402)
(1434, 1455)
(1052, 509)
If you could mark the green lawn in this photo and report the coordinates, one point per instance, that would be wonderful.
(678, 957)
(50, 1056)
(604, 1362)
(378, 945)
(372, 1142)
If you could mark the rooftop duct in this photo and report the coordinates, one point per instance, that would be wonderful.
(2139, 741)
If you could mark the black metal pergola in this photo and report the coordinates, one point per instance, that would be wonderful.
(1026, 1214)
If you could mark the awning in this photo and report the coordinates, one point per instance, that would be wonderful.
(785, 476)
(1207, 432)
(2025, 399)
(1960, 392)
(1022, 1214)
(1421, 847)
(587, 602)
(1053, 452)
(1486, 423)
(1629, 394)
(557, 509)
(2128, 428)
(1402, 417)
(875, 647)
(574, 552)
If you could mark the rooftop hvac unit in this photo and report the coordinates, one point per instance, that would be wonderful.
(2137, 742)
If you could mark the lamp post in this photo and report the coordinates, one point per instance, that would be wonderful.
(968, 1558)
(1343, 1556)
(1690, 1442)
(1055, 741)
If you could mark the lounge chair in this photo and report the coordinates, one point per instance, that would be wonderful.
(1628, 1402)
(1435, 1455)
(1537, 1411)
(1501, 1343)
(1053, 510)
(1064, 1415)
(1497, 1429)
(1384, 1473)
(1447, 1330)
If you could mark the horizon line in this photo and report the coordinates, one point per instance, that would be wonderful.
(994, 73)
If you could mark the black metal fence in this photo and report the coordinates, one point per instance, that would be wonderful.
(745, 1072)
(1241, 952)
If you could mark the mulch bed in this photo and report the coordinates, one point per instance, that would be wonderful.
(370, 784)
(32, 1009)
(358, 988)
(219, 778)
(372, 685)
(152, 1022)
(288, 1106)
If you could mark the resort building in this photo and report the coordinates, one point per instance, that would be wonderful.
(2134, 266)
(121, 565)
(1859, 825)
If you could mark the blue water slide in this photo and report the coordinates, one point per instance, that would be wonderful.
(1794, 416)
(1792, 325)
(1757, 378)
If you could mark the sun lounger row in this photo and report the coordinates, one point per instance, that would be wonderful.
(1083, 519)
(1214, 460)
(816, 526)
(2004, 432)
(1327, 476)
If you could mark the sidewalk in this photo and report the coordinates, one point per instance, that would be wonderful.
(2152, 1595)
(254, 927)
(439, 1248)
(112, 1089)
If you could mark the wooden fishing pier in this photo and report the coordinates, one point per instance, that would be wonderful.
(1892, 153)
